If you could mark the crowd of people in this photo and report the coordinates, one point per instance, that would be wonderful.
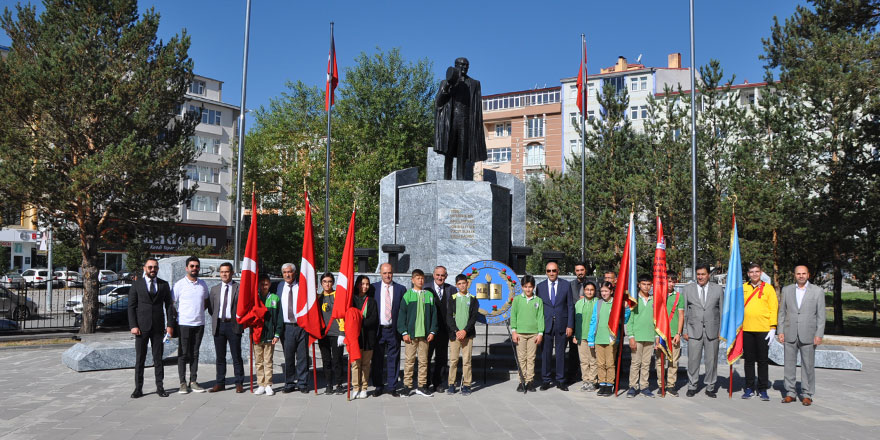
(436, 325)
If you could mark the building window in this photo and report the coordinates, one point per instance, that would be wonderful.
(637, 83)
(591, 88)
(197, 87)
(535, 127)
(590, 115)
(498, 155)
(502, 129)
(634, 112)
(534, 155)
(643, 81)
(676, 134)
(535, 174)
(618, 83)
(550, 96)
(211, 117)
(573, 91)
(203, 174)
(204, 203)
(634, 84)
(206, 144)
(644, 110)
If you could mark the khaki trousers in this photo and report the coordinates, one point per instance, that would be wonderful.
(526, 350)
(466, 348)
(416, 347)
(641, 365)
(606, 356)
(587, 356)
(360, 371)
(671, 365)
(263, 354)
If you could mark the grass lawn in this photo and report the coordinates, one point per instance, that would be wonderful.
(858, 314)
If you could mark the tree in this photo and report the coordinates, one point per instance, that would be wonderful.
(87, 133)
(826, 56)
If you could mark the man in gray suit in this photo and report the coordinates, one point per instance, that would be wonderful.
(226, 329)
(801, 324)
(702, 322)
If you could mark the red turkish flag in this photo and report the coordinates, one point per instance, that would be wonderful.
(345, 280)
(581, 83)
(307, 315)
(250, 310)
(332, 76)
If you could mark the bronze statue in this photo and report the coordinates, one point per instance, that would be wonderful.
(458, 132)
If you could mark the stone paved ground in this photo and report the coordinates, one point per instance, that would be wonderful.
(43, 399)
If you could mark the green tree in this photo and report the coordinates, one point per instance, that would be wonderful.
(87, 133)
(136, 254)
(826, 55)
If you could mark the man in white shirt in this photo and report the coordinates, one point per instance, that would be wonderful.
(226, 330)
(386, 354)
(191, 296)
(294, 339)
(801, 327)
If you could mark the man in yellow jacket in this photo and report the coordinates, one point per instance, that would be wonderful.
(759, 328)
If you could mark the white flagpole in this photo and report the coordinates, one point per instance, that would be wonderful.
(240, 166)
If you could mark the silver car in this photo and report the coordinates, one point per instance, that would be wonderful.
(16, 307)
(12, 280)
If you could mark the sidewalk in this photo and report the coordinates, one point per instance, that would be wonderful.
(43, 399)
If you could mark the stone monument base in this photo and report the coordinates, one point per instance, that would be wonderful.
(827, 356)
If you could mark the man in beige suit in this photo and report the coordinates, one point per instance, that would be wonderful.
(801, 327)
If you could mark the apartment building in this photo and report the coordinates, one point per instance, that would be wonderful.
(523, 132)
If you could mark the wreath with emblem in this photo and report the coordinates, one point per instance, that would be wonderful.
(511, 284)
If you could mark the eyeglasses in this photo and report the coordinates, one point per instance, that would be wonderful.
(552, 270)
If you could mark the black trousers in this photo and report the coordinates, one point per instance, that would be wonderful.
(154, 338)
(438, 350)
(572, 363)
(188, 351)
(755, 349)
(226, 335)
(331, 359)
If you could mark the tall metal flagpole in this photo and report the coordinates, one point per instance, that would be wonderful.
(327, 160)
(240, 165)
(693, 149)
(583, 138)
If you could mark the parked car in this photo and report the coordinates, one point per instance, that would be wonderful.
(106, 295)
(39, 277)
(114, 314)
(107, 276)
(16, 307)
(69, 277)
(12, 280)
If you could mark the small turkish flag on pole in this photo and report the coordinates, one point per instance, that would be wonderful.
(332, 74)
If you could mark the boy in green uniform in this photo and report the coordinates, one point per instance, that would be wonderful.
(642, 339)
(527, 329)
(461, 320)
(675, 308)
(417, 323)
(273, 325)
(583, 315)
(601, 338)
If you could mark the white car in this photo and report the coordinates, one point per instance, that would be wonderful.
(107, 276)
(106, 295)
(37, 277)
(69, 277)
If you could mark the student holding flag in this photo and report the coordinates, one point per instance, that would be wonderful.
(759, 327)
(642, 339)
(675, 311)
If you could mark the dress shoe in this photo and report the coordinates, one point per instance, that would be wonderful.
(217, 388)
(304, 390)
(378, 391)
(711, 394)
(288, 389)
(161, 392)
(691, 393)
(788, 399)
(545, 386)
(136, 394)
(562, 387)
(340, 390)
(807, 401)
(329, 390)
(532, 387)
(394, 393)
(239, 388)
(439, 389)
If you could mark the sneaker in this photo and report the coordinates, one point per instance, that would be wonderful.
(194, 386)
(605, 390)
(647, 393)
(747, 393)
(763, 395)
(340, 390)
(405, 392)
(632, 393)
(423, 391)
(532, 387)
(590, 386)
(183, 388)
(451, 389)
(269, 390)
(465, 390)
(329, 390)
(362, 395)
(260, 390)
(672, 391)
(520, 388)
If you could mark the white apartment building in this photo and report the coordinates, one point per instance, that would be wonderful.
(639, 81)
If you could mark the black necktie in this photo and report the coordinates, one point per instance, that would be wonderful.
(224, 303)
(152, 288)
(290, 303)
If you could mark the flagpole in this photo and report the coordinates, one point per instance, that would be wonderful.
(240, 165)
(251, 337)
(314, 367)
(693, 150)
(583, 138)
(663, 374)
(327, 162)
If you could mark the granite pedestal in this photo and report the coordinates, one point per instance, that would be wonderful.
(827, 356)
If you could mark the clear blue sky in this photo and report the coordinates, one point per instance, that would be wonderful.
(512, 45)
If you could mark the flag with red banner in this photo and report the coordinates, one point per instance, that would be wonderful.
(332, 75)
(581, 82)
(307, 314)
(345, 280)
(353, 319)
(250, 311)
(661, 285)
(626, 279)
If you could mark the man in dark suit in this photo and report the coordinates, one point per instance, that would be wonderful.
(386, 354)
(702, 324)
(573, 363)
(151, 315)
(801, 324)
(226, 329)
(439, 347)
(558, 324)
